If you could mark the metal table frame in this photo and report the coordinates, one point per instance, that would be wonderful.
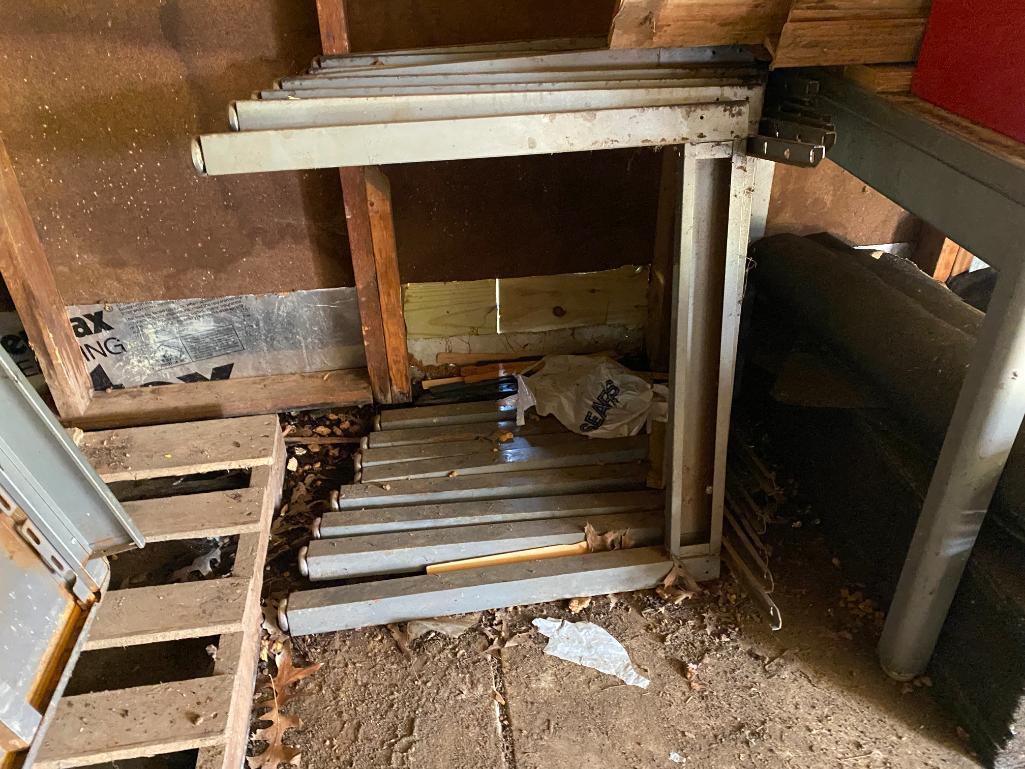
(964, 183)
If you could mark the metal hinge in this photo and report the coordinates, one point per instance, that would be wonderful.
(792, 129)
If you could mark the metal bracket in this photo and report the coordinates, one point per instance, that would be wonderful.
(792, 129)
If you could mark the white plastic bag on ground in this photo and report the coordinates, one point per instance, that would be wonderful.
(592, 396)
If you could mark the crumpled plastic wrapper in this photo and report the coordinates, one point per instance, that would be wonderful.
(589, 645)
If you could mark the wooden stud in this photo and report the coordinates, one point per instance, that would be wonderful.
(368, 218)
(33, 288)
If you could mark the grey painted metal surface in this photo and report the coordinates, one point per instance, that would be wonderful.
(567, 60)
(416, 517)
(483, 445)
(70, 511)
(260, 115)
(57, 518)
(970, 193)
(406, 551)
(406, 598)
(453, 414)
(530, 483)
(421, 436)
(473, 86)
(985, 423)
(575, 454)
(466, 138)
(976, 197)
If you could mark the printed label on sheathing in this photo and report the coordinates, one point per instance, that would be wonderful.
(192, 340)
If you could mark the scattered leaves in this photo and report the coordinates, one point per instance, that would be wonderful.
(670, 590)
(277, 752)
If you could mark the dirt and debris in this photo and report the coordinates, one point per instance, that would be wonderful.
(725, 691)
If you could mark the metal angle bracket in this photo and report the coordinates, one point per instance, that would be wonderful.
(792, 130)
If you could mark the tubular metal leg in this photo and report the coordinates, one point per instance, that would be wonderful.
(982, 430)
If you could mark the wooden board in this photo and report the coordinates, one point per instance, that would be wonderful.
(456, 592)
(821, 10)
(213, 514)
(881, 78)
(611, 297)
(30, 282)
(225, 398)
(536, 303)
(166, 450)
(449, 309)
(682, 23)
(463, 432)
(848, 41)
(142, 721)
(416, 517)
(566, 454)
(531, 483)
(398, 552)
(169, 612)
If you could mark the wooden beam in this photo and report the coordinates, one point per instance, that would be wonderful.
(368, 218)
(334, 27)
(225, 398)
(881, 78)
(32, 286)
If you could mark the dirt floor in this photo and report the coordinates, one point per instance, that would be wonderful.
(725, 690)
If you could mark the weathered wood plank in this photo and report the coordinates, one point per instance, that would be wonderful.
(143, 615)
(213, 514)
(141, 721)
(452, 414)
(406, 551)
(433, 595)
(684, 23)
(416, 517)
(575, 454)
(225, 398)
(165, 450)
(530, 483)
(848, 41)
(881, 78)
(30, 282)
(386, 267)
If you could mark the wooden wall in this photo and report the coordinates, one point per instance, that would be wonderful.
(98, 100)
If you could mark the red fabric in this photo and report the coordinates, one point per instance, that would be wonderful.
(972, 62)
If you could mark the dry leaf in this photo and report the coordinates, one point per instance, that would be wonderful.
(277, 752)
(692, 677)
(577, 605)
(618, 539)
(670, 591)
(501, 436)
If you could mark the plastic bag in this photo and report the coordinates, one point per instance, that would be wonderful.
(589, 395)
